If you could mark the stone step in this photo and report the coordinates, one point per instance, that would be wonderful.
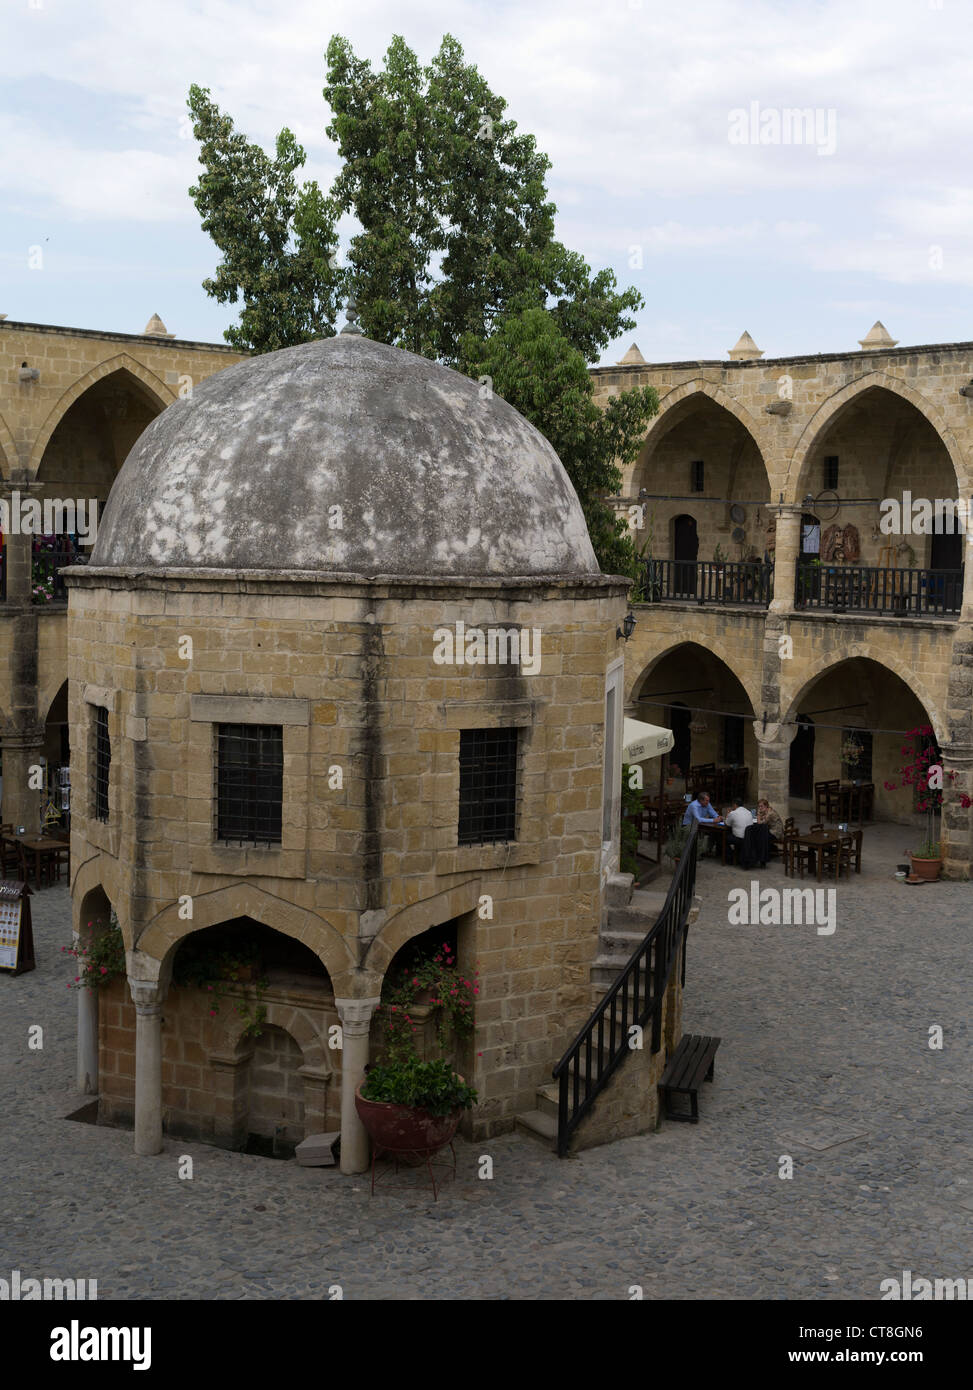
(317, 1150)
(539, 1126)
(615, 941)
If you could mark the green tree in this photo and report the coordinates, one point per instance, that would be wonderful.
(534, 367)
(278, 240)
(454, 258)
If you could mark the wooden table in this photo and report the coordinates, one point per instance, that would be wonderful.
(721, 828)
(822, 840)
(40, 846)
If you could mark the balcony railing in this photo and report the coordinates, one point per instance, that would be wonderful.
(907, 593)
(750, 585)
(47, 562)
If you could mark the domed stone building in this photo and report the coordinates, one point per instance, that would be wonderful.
(341, 669)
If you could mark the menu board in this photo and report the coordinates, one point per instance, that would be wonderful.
(16, 936)
(10, 913)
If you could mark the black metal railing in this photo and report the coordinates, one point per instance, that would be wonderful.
(865, 589)
(750, 584)
(47, 562)
(635, 999)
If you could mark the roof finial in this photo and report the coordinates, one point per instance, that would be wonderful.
(351, 314)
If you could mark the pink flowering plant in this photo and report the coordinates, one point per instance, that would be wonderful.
(922, 771)
(216, 971)
(100, 958)
(434, 980)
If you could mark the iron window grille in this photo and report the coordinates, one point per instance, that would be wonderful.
(487, 786)
(831, 472)
(102, 763)
(696, 476)
(249, 783)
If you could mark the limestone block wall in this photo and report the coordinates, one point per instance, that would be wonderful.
(371, 732)
(72, 360)
(217, 1086)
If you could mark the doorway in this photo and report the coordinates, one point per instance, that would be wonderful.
(802, 759)
(682, 739)
(685, 550)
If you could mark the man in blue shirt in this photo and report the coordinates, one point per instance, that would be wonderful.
(701, 810)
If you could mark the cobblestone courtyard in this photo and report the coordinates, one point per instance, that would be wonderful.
(825, 1057)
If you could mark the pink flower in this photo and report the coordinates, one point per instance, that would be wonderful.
(476, 991)
(104, 969)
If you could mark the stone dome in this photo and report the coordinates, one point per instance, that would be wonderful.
(430, 479)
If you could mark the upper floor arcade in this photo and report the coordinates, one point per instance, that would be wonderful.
(72, 404)
(838, 482)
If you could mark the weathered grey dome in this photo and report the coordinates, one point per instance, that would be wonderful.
(430, 477)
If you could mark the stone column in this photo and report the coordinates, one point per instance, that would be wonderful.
(957, 751)
(773, 763)
(966, 611)
(356, 1017)
(148, 997)
(785, 559)
(87, 1040)
(23, 749)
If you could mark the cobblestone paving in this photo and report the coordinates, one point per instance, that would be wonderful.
(825, 1057)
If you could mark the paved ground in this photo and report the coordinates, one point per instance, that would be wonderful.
(825, 1058)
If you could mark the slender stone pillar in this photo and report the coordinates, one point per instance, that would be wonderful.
(785, 559)
(356, 1017)
(87, 1041)
(148, 997)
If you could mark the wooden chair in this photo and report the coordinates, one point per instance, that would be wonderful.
(797, 857)
(12, 861)
(58, 859)
(827, 800)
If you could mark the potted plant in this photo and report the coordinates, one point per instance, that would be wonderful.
(676, 843)
(923, 772)
(412, 1107)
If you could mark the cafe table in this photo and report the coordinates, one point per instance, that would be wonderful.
(40, 847)
(720, 828)
(822, 840)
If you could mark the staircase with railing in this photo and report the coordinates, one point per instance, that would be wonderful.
(636, 998)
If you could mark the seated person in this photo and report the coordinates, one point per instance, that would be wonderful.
(702, 811)
(766, 815)
(738, 820)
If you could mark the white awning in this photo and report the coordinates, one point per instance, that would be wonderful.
(643, 741)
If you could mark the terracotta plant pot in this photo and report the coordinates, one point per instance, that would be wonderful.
(926, 868)
(401, 1129)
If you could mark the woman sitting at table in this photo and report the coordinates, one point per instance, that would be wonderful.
(766, 815)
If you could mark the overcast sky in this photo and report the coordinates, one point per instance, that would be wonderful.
(646, 110)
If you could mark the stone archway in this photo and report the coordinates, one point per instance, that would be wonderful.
(160, 938)
(8, 450)
(830, 410)
(252, 1075)
(155, 391)
(869, 700)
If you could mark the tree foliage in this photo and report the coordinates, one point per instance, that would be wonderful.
(454, 256)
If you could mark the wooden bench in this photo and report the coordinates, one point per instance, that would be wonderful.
(689, 1066)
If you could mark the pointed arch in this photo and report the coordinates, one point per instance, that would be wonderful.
(8, 450)
(649, 663)
(866, 652)
(417, 918)
(244, 899)
(670, 416)
(159, 394)
(827, 412)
